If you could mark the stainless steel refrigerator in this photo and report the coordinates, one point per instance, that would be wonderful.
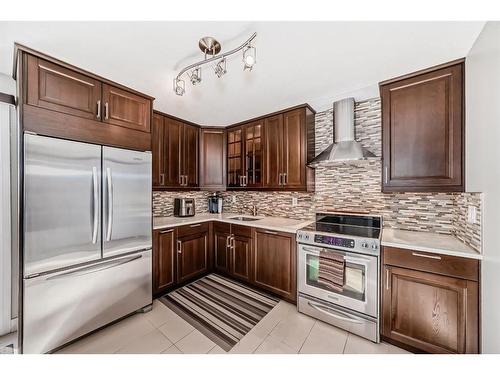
(87, 238)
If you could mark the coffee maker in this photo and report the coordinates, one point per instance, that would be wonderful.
(215, 203)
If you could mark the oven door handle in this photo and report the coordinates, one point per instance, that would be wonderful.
(363, 259)
(338, 315)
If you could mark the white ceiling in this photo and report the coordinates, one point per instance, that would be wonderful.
(297, 62)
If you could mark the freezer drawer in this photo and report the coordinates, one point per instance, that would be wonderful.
(62, 306)
(62, 203)
(126, 200)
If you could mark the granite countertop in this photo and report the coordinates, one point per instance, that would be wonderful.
(265, 222)
(428, 242)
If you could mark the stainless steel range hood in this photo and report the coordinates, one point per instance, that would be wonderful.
(345, 147)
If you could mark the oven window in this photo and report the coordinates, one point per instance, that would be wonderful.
(354, 278)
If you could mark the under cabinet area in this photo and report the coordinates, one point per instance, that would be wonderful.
(64, 101)
(430, 302)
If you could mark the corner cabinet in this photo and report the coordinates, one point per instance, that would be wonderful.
(430, 302)
(423, 130)
(175, 146)
(60, 100)
(213, 158)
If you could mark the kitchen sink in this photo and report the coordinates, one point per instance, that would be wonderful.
(245, 218)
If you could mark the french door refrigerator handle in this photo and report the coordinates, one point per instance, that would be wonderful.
(95, 267)
(110, 204)
(95, 224)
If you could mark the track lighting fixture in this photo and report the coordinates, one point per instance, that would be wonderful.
(210, 46)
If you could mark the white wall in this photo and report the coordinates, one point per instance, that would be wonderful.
(7, 84)
(482, 69)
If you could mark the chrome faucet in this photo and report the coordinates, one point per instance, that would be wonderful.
(254, 210)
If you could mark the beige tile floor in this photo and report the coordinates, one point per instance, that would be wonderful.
(283, 330)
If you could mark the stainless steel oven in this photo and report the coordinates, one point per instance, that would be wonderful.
(353, 304)
(360, 282)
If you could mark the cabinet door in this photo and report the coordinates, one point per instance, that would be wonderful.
(253, 154)
(241, 257)
(433, 313)
(157, 147)
(59, 89)
(172, 139)
(213, 158)
(126, 109)
(235, 157)
(273, 139)
(423, 132)
(164, 259)
(192, 256)
(274, 263)
(294, 149)
(190, 155)
(221, 251)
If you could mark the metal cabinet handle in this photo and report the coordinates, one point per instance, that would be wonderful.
(179, 247)
(162, 179)
(110, 204)
(279, 179)
(233, 242)
(187, 179)
(387, 279)
(284, 179)
(195, 225)
(338, 315)
(106, 111)
(426, 256)
(228, 238)
(98, 109)
(386, 175)
(166, 231)
(270, 232)
(95, 224)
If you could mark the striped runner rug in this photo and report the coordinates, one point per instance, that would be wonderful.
(221, 309)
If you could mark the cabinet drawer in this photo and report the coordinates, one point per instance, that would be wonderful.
(222, 227)
(187, 230)
(448, 265)
(241, 230)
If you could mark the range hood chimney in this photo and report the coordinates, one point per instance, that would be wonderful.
(344, 147)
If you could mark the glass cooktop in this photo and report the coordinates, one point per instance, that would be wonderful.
(350, 225)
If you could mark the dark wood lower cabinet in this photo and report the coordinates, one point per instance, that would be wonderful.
(427, 311)
(274, 263)
(192, 256)
(222, 234)
(241, 253)
(163, 259)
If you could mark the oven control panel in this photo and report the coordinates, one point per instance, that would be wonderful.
(334, 241)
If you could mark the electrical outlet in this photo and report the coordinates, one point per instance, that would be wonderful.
(471, 215)
(294, 201)
(233, 198)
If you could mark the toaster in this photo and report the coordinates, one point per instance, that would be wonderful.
(184, 207)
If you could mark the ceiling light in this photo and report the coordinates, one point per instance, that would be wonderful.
(195, 76)
(179, 86)
(220, 68)
(249, 57)
(210, 46)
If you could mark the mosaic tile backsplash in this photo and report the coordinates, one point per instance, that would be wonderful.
(353, 186)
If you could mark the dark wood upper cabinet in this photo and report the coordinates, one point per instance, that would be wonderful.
(294, 149)
(213, 158)
(60, 89)
(273, 152)
(61, 100)
(430, 302)
(164, 259)
(178, 154)
(235, 163)
(189, 159)
(423, 130)
(274, 263)
(126, 109)
(158, 151)
(252, 154)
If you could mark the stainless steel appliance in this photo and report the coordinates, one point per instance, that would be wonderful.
(355, 307)
(87, 238)
(184, 207)
(215, 203)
